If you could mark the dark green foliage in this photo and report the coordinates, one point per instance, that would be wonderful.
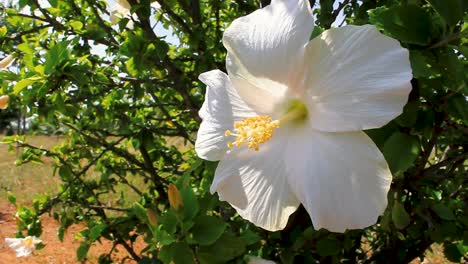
(130, 120)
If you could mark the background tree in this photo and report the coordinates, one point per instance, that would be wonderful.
(129, 112)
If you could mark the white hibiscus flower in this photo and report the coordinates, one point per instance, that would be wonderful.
(302, 105)
(121, 9)
(23, 246)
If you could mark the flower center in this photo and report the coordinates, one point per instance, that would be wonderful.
(256, 130)
(295, 112)
(252, 131)
(28, 242)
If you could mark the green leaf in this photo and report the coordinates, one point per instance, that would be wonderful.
(168, 221)
(19, 86)
(443, 212)
(385, 221)
(443, 231)
(3, 31)
(407, 23)
(163, 237)
(381, 135)
(140, 212)
(409, 116)
(423, 64)
(178, 253)
(76, 25)
(65, 173)
(157, 51)
(452, 253)
(316, 32)
(27, 49)
(224, 249)
(250, 237)
(55, 56)
(400, 151)
(400, 236)
(452, 69)
(96, 231)
(457, 106)
(450, 10)
(328, 247)
(400, 217)
(101, 77)
(11, 198)
(131, 67)
(191, 205)
(462, 247)
(207, 229)
(82, 251)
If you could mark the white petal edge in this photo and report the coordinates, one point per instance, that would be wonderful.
(221, 108)
(255, 184)
(13, 242)
(24, 251)
(356, 78)
(20, 245)
(36, 240)
(265, 47)
(342, 179)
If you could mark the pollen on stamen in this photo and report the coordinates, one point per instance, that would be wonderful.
(28, 242)
(252, 131)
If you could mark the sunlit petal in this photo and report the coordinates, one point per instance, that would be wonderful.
(356, 79)
(264, 47)
(221, 108)
(342, 179)
(255, 184)
(23, 246)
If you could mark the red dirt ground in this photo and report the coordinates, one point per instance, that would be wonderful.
(55, 251)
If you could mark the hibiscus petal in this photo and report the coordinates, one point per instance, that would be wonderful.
(255, 184)
(263, 101)
(221, 108)
(24, 251)
(356, 78)
(264, 46)
(13, 242)
(36, 240)
(342, 179)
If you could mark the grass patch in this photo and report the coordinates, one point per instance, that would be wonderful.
(28, 180)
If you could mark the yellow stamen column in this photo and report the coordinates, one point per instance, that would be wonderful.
(252, 131)
(256, 130)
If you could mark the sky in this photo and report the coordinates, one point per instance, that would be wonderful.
(171, 38)
(158, 27)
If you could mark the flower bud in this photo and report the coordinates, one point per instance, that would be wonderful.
(6, 61)
(175, 200)
(153, 217)
(4, 99)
